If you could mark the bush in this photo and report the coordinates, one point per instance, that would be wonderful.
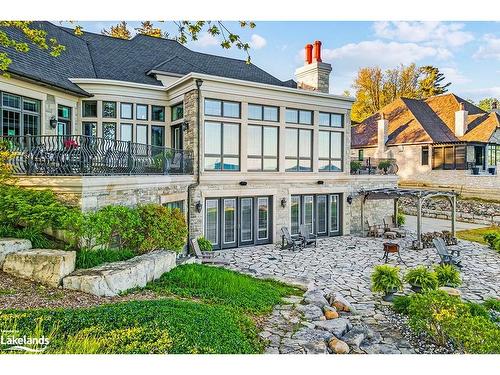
(384, 165)
(205, 245)
(493, 239)
(86, 258)
(163, 228)
(400, 218)
(400, 304)
(492, 304)
(421, 277)
(355, 166)
(385, 278)
(37, 238)
(447, 275)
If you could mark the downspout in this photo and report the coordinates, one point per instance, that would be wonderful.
(194, 185)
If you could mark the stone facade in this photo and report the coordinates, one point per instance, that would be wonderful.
(191, 133)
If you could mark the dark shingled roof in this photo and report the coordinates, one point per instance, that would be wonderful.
(99, 56)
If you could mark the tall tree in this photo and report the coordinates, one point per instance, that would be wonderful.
(120, 31)
(147, 28)
(486, 104)
(430, 83)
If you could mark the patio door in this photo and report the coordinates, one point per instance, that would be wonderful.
(177, 141)
(320, 213)
(229, 223)
(246, 221)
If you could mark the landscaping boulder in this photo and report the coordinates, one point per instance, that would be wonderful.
(112, 278)
(338, 346)
(451, 291)
(12, 245)
(47, 266)
(341, 304)
(315, 297)
(311, 312)
(331, 314)
(338, 327)
(357, 335)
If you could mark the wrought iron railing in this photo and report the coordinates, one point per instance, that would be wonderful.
(76, 155)
(373, 166)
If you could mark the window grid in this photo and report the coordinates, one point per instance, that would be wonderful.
(222, 156)
(333, 120)
(298, 116)
(221, 111)
(331, 160)
(262, 156)
(261, 116)
(297, 157)
(19, 115)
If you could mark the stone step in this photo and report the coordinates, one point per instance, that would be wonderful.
(110, 279)
(12, 245)
(47, 266)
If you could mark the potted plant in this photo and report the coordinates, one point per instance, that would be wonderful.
(447, 275)
(384, 165)
(205, 245)
(421, 279)
(355, 166)
(475, 170)
(386, 279)
(492, 170)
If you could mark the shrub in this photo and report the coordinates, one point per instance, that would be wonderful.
(447, 275)
(37, 238)
(385, 278)
(400, 218)
(86, 258)
(421, 277)
(6, 154)
(492, 304)
(493, 239)
(355, 166)
(205, 245)
(163, 228)
(384, 165)
(400, 304)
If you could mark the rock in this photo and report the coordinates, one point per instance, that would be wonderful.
(331, 314)
(338, 327)
(316, 347)
(356, 335)
(451, 291)
(315, 297)
(311, 312)
(292, 299)
(341, 304)
(47, 266)
(329, 308)
(12, 245)
(338, 346)
(381, 349)
(305, 335)
(112, 278)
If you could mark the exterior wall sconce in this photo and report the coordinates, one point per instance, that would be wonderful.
(185, 126)
(283, 202)
(198, 206)
(349, 199)
(321, 182)
(53, 122)
(243, 183)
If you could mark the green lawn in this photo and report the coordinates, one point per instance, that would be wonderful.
(476, 235)
(207, 310)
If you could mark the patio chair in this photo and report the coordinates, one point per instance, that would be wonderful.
(287, 242)
(391, 226)
(207, 258)
(452, 258)
(308, 239)
(374, 230)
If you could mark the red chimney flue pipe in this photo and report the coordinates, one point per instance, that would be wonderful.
(317, 51)
(309, 53)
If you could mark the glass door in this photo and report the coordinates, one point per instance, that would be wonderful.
(229, 222)
(246, 221)
(212, 221)
(308, 210)
(177, 137)
(263, 220)
(334, 217)
(321, 215)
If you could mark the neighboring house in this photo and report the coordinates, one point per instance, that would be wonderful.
(441, 142)
(242, 153)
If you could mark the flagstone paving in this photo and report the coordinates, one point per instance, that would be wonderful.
(344, 265)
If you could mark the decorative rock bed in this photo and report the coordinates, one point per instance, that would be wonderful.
(113, 278)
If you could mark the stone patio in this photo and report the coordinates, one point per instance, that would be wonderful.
(344, 265)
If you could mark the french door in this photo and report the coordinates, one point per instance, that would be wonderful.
(238, 221)
(320, 213)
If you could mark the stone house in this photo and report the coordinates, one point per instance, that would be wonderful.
(443, 142)
(242, 153)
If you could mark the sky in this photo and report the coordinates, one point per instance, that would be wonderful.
(468, 53)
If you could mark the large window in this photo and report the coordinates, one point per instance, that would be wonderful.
(109, 109)
(63, 120)
(330, 151)
(212, 220)
(127, 111)
(298, 116)
(126, 132)
(89, 108)
(492, 154)
(90, 129)
(298, 153)
(177, 111)
(222, 146)
(334, 120)
(109, 131)
(320, 214)
(448, 157)
(20, 115)
(222, 108)
(141, 134)
(157, 135)
(262, 148)
(260, 112)
(158, 113)
(141, 112)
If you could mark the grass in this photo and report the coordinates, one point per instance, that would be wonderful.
(221, 286)
(7, 292)
(93, 258)
(160, 326)
(477, 235)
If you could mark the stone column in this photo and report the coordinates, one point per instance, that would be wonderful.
(191, 134)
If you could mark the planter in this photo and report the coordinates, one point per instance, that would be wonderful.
(492, 170)
(389, 295)
(475, 170)
(416, 288)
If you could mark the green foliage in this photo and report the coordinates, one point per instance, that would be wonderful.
(400, 304)
(159, 326)
(355, 166)
(431, 82)
(422, 277)
(493, 239)
(384, 165)
(445, 318)
(447, 275)
(86, 258)
(221, 286)
(163, 228)
(205, 245)
(385, 278)
(37, 238)
(400, 218)
(492, 304)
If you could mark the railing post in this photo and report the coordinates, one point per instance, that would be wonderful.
(30, 157)
(369, 165)
(130, 161)
(164, 156)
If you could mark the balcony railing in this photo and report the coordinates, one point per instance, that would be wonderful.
(77, 155)
(373, 166)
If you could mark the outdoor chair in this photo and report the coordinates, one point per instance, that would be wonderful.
(374, 230)
(287, 242)
(391, 226)
(308, 239)
(452, 258)
(207, 258)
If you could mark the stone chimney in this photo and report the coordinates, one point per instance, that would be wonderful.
(461, 121)
(315, 74)
(383, 134)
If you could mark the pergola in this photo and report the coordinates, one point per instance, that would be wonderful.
(419, 195)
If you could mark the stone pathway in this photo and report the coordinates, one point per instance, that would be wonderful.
(344, 265)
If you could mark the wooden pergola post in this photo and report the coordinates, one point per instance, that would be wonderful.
(453, 215)
(419, 222)
(396, 206)
(363, 215)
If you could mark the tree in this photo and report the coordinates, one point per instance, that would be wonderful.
(431, 82)
(187, 30)
(147, 28)
(120, 31)
(375, 88)
(486, 104)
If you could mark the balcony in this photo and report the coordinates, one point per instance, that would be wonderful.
(373, 166)
(77, 155)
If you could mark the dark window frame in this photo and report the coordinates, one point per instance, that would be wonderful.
(163, 131)
(330, 122)
(222, 114)
(173, 108)
(115, 109)
(107, 124)
(22, 113)
(330, 159)
(298, 158)
(424, 155)
(137, 105)
(222, 156)
(131, 111)
(153, 112)
(439, 161)
(84, 103)
(263, 156)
